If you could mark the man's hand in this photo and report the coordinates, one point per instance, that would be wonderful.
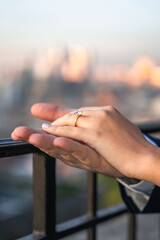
(48, 112)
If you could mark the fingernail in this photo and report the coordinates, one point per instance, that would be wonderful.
(45, 125)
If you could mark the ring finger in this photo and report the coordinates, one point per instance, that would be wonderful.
(80, 118)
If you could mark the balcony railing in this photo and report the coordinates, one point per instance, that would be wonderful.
(44, 196)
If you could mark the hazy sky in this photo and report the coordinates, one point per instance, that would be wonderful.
(121, 30)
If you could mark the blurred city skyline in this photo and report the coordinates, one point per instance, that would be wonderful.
(118, 32)
(77, 64)
(77, 53)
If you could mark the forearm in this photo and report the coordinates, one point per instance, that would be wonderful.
(152, 173)
(137, 194)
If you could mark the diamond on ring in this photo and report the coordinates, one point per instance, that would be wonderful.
(78, 114)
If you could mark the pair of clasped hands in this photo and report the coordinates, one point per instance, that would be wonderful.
(102, 141)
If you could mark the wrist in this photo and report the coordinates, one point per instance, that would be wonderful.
(151, 171)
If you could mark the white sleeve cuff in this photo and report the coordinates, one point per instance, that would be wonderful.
(139, 192)
(141, 187)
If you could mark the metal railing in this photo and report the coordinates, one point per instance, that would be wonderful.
(44, 196)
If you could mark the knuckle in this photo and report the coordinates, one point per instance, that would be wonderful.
(110, 108)
(110, 112)
(102, 114)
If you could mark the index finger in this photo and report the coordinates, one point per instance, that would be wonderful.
(48, 112)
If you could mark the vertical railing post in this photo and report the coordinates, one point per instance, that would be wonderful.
(92, 202)
(44, 191)
(159, 225)
(132, 226)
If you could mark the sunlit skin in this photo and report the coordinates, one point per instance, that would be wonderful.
(103, 141)
(71, 152)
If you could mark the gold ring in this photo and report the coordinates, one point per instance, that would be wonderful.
(78, 114)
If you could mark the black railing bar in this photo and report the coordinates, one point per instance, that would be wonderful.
(132, 226)
(149, 127)
(9, 141)
(44, 201)
(84, 222)
(9, 148)
(109, 212)
(33, 237)
(92, 202)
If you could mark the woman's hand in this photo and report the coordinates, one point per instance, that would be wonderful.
(71, 152)
(119, 142)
